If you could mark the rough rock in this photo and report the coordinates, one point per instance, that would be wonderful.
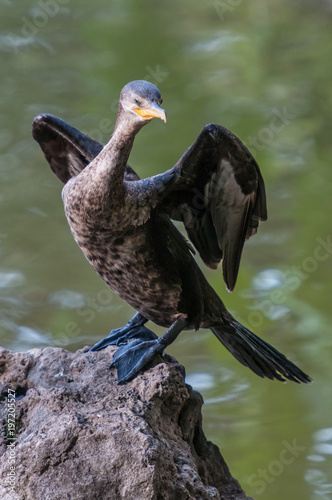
(79, 435)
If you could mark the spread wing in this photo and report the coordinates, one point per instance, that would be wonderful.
(216, 188)
(67, 150)
(217, 191)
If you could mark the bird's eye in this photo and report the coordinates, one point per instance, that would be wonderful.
(137, 101)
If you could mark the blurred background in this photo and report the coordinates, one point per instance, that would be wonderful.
(262, 70)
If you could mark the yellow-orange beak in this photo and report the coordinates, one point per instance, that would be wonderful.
(153, 111)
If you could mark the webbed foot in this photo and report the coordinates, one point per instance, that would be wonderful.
(131, 357)
(134, 329)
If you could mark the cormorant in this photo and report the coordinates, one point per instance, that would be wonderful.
(123, 226)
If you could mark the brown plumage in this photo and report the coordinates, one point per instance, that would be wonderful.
(123, 226)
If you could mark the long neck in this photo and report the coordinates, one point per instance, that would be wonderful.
(108, 168)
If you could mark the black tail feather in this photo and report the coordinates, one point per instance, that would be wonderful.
(258, 355)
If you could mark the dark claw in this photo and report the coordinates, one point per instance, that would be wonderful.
(130, 358)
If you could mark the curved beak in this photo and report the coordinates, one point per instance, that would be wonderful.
(149, 112)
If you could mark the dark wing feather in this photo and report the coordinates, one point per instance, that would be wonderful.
(217, 191)
(67, 150)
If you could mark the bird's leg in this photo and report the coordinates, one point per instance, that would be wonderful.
(134, 329)
(131, 357)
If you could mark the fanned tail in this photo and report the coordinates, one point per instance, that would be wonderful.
(258, 355)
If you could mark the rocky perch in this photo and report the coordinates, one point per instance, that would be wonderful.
(80, 436)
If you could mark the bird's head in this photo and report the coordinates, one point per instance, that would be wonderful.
(141, 101)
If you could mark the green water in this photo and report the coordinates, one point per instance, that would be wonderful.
(264, 71)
